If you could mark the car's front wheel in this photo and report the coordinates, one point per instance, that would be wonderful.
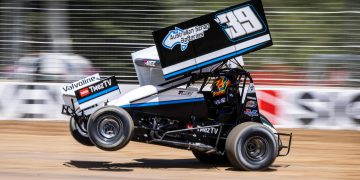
(110, 128)
(79, 132)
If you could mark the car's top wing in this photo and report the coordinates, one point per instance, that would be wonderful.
(212, 38)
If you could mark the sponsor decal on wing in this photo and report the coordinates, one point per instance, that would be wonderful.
(71, 88)
(184, 37)
(84, 92)
(251, 113)
(98, 92)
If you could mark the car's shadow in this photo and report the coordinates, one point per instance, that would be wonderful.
(148, 163)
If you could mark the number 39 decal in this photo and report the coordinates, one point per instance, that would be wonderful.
(239, 22)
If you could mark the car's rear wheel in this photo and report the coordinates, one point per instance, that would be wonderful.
(110, 128)
(251, 146)
(79, 132)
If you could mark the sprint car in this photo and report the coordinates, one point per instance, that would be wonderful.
(208, 107)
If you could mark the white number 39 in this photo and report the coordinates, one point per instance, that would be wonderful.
(239, 22)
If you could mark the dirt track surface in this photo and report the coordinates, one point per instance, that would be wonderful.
(46, 150)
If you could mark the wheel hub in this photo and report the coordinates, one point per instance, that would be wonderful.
(109, 128)
(255, 148)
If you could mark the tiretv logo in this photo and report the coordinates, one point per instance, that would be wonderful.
(97, 89)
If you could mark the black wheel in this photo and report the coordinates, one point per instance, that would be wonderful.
(251, 146)
(110, 128)
(209, 158)
(79, 132)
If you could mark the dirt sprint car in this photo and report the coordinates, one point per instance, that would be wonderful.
(194, 94)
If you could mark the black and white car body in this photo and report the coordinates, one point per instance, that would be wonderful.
(176, 104)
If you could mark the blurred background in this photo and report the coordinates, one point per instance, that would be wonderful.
(309, 78)
(316, 48)
(316, 42)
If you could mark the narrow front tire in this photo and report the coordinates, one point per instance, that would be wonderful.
(110, 128)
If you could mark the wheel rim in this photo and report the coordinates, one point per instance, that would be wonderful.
(109, 128)
(255, 148)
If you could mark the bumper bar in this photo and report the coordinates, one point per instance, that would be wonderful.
(282, 146)
(66, 110)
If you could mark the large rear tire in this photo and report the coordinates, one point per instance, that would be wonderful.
(79, 132)
(110, 128)
(251, 146)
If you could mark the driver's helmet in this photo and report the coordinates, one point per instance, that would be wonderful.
(218, 87)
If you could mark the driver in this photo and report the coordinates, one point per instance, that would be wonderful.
(218, 89)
